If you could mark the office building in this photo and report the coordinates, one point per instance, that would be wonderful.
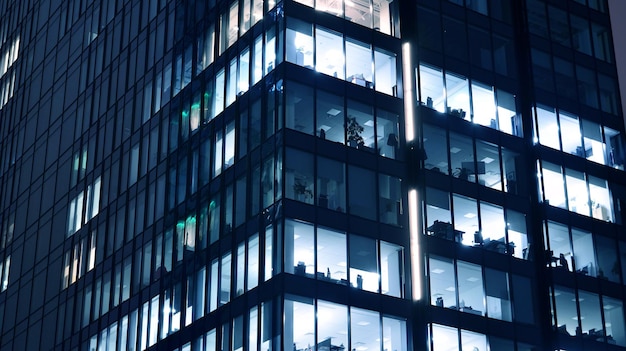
(256, 175)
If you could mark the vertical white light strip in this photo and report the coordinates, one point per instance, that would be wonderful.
(416, 255)
(407, 83)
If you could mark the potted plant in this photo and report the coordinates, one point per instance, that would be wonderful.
(354, 130)
(300, 189)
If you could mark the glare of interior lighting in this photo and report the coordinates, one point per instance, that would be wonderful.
(415, 247)
(407, 78)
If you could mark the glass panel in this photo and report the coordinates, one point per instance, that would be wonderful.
(241, 266)
(442, 284)
(257, 68)
(553, 185)
(213, 287)
(267, 182)
(218, 102)
(394, 334)
(508, 119)
(332, 326)
(570, 130)
(565, 310)
(608, 267)
(331, 256)
(363, 263)
(457, 89)
(391, 269)
(438, 214)
(590, 316)
(580, 34)
(516, 232)
(268, 254)
(577, 194)
(471, 293)
(614, 321)
(306, 2)
(387, 134)
(431, 88)
(229, 146)
(361, 203)
(492, 234)
(584, 254)
(498, 296)
(330, 6)
(329, 54)
(389, 199)
(360, 126)
(299, 325)
(542, 70)
(502, 344)
(358, 63)
(383, 20)
(465, 219)
(330, 117)
(299, 183)
(232, 24)
(548, 129)
(600, 199)
(622, 253)
(299, 248)
(299, 107)
(614, 152)
(523, 302)
(231, 82)
(244, 72)
(487, 168)
(560, 246)
(480, 48)
(237, 333)
(299, 42)
(559, 28)
(359, 11)
(385, 66)
(435, 146)
(462, 157)
(257, 11)
(253, 325)
(245, 17)
(593, 145)
(225, 275)
(588, 88)
(471, 341)
(483, 105)
(253, 261)
(331, 187)
(601, 42)
(364, 329)
(444, 338)
(266, 326)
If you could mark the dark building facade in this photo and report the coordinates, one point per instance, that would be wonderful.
(259, 175)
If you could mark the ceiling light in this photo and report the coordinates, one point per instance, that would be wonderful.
(333, 112)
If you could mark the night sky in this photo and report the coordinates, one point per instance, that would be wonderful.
(617, 9)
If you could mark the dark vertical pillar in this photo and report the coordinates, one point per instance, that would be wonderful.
(536, 215)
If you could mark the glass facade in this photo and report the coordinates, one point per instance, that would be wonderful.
(261, 175)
